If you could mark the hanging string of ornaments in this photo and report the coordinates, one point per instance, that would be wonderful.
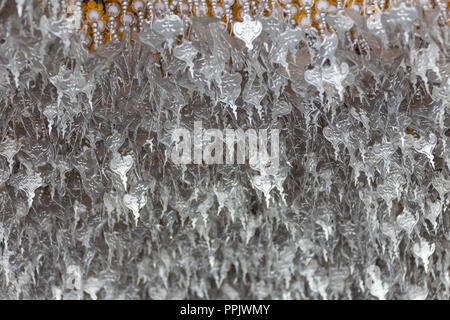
(105, 21)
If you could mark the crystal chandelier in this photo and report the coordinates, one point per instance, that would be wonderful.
(117, 179)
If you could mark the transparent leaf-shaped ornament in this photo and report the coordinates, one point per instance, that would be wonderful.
(170, 26)
(9, 148)
(341, 22)
(28, 182)
(211, 69)
(22, 208)
(73, 278)
(151, 38)
(423, 250)
(221, 196)
(391, 188)
(374, 283)
(291, 37)
(186, 52)
(416, 292)
(392, 231)
(407, 221)
(335, 74)
(319, 283)
(20, 4)
(92, 286)
(115, 141)
(403, 15)
(426, 59)
(271, 25)
(338, 278)
(51, 113)
(361, 116)
(93, 186)
(286, 42)
(71, 83)
(62, 28)
(39, 151)
(136, 199)
(432, 212)
(327, 49)
(442, 185)
(247, 30)
(326, 223)
(230, 88)
(121, 165)
(265, 184)
(220, 46)
(426, 146)
(375, 26)
(384, 151)
(314, 77)
(282, 108)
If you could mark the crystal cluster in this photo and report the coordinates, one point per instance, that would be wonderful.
(92, 207)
